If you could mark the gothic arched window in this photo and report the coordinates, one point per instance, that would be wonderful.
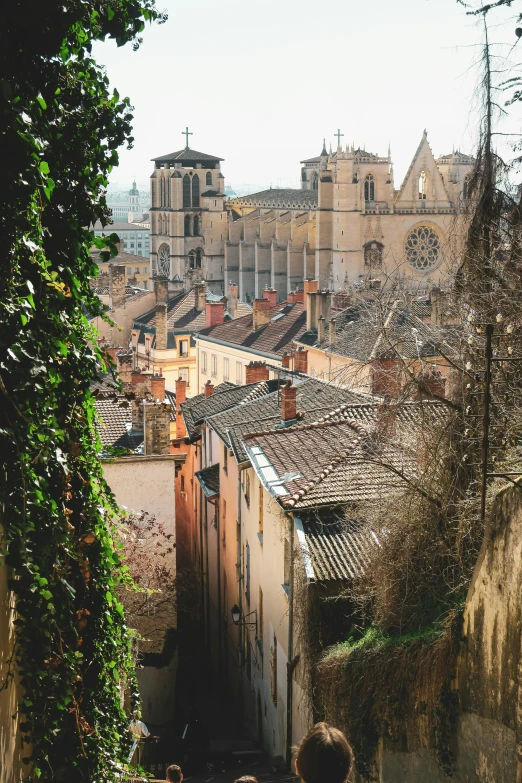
(369, 188)
(209, 178)
(195, 191)
(187, 226)
(196, 225)
(186, 191)
(423, 185)
(164, 261)
(199, 255)
(465, 186)
(167, 192)
(373, 255)
(192, 259)
(314, 181)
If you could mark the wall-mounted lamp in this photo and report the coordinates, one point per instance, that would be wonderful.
(236, 617)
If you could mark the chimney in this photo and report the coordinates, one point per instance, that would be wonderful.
(261, 315)
(331, 331)
(181, 396)
(124, 365)
(320, 329)
(310, 286)
(200, 295)
(311, 310)
(232, 297)
(140, 385)
(161, 289)
(157, 387)
(288, 404)
(438, 302)
(157, 428)
(291, 298)
(324, 301)
(214, 313)
(271, 295)
(209, 388)
(385, 377)
(110, 351)
(299, 295)
(431, 382)
(116, 286)
(285, 360)
(301, 360)
(256, 372)
(161, 326)
(386, 418)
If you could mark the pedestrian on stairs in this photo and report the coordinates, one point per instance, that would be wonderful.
(324, 756)
(174, 774)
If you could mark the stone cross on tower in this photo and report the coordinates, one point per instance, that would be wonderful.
(338, 134)
(186, 133)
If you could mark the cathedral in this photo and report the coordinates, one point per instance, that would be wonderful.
(346, 226)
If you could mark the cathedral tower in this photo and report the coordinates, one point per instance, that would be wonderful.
(188, 219)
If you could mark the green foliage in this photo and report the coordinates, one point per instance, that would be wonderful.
(376, 639)
(61, 127)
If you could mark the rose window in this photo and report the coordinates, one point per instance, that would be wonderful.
(164, 262)
(423, 248)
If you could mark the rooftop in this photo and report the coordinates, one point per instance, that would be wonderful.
(334, 549)
(187, 156)
(287, 323)
(110, 228)
(209, 480)
(291, 198)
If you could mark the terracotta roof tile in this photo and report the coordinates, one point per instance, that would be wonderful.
(334, 549)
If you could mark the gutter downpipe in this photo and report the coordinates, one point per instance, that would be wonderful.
(290, 666)
(240, 595)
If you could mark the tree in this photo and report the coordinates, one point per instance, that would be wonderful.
(60, 127)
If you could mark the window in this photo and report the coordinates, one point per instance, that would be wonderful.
(187, 226)
(199, 254)
(247, 487)
(182, 483)
(129, 271)
(145, 270)
(203, 362)
(247, 572)
(273, 671)
(373, 255)
(423, 184)
(423, 248)
(208, 178)
(145, 284)
(261, 509)
(195, 191)
(183, 347)
(239, 372)
(136, 270)
(164, 261)
(184, 374)
(196, 225)
(369, 188)
(186, 191)
(226, 369)
(225, 459)
(213, 365)
(260, 616)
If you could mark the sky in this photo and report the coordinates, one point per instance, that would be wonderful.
(261, 83)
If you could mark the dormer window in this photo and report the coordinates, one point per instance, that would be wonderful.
(369, 188)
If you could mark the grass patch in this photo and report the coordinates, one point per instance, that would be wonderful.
(375, 639)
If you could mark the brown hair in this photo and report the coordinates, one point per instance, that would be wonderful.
(324, 756)
(174, 773)
(246, 779)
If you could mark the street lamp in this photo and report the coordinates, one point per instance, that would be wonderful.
(236, 614)
(236, 617)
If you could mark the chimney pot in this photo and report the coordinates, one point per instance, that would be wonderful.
(320, 329)
(271, 295)
(256, 372)
(288, 403)
(285, 360)
(232, 297)
(181, 396)
(209, 389)
(331, 331)
(200, 295)
(161, 289)
(161, 326)
(157, 387)
(157, 428)
(301, 360)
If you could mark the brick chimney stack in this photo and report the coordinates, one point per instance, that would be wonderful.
(438, 305)
(181, 396)
(110, 351)
(157, 387)
(285, 360)
(271, 295)
(124, 365)
(161, 326)
(209, 389)
(385, 376)
(261, 314)
(310, 286)
(161, 289)
(116, 286)
(288, 404)
(256, 372)
(431, 382)
(301, 360)
(200, 293)
(214, 313)
(386, 418)
(291, 298)
(232, 297)
(157, 428)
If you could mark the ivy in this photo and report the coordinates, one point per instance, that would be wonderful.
(61, 127)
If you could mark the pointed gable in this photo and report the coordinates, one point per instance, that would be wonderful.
(423, 160)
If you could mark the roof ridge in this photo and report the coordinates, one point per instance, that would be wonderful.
(356, 425)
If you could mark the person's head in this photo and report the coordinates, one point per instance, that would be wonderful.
(324, 756)
(246, 779)
(174, 774)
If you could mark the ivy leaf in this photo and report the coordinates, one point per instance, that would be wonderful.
(41, 102)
